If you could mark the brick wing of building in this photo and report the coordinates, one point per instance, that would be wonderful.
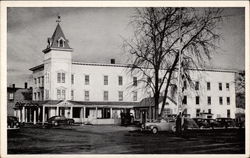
(98, 93)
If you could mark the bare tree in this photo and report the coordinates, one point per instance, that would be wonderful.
(157, 41)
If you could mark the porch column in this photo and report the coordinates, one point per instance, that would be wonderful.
(71, 112)
(96, 111)
(19, 115)
(26, 115)
(111, 112)
(15, 113)
(43, 116)
(23, 114)
(30, 114)
(34, 117)
(84, 112)
(39, 114)
(57, 111)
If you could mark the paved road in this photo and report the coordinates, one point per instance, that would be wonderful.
(121, 140)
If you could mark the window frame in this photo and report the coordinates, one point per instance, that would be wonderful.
(105, 95)
(86, 79)
(105, 80)
(197, 100)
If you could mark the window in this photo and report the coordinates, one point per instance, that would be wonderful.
(35, 80)
(106, 80)
(228, 100)
(220, 100)
(184, 84)
(38, 95)
(63, 77)
(60, 43)
(72, 94)
(38, 79)
(61, 94)
(11, 96)
(160, 81)
(72, 78)
(227, 86)
(209, 111)
(86, 95)
(184, 101)
(196, 85)
(134, 96)
(149, 80)
(220, 86)
(197, 100)
(198, 112)
(208, 86)
(47, 94)
(120, 95)
(34, 96)
(105, 95)
(60, 77)
(120, 80)
(228, 113)
(208, 100)
(42, 80)
(86, 79)
(134, 81)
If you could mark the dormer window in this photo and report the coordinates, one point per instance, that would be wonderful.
(61, 42)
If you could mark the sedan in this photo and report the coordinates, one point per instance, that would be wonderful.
(159, 125)
(60, 120)
(12, 122)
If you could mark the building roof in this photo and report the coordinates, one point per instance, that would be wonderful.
(149, 102)
(129, 66)
(103, 103)
(53, 41)
(41, 66)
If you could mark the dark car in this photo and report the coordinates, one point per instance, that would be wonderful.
(12, 122)
(206, 122)
(226, 122)
(60, 120)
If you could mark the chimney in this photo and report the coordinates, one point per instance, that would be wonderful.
(25, 85)
(13, 86)
(112, 61)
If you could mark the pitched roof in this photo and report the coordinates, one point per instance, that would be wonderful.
(149, 102)
(53, 41)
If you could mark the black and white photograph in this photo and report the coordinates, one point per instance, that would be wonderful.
(127, 80)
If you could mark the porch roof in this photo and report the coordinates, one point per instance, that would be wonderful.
(111, 103)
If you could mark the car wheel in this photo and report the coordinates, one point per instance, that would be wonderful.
(201, 127)
(173, 129)
(154, 130)
(56, 123)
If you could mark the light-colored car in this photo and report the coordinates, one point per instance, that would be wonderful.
(160, 125)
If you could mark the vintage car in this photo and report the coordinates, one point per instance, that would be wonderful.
(12, 122)
(206, 122)
(159, 125)
(59, 120)
(226, 122)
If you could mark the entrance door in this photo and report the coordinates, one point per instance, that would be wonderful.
(143, 116)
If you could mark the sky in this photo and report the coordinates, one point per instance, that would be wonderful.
(96, 35)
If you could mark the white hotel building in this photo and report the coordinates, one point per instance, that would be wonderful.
(98, 93)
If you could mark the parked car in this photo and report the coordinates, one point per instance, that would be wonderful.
(206, 122)
(226, 122)
(60, 120)
(159, 125)
(12, 122)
